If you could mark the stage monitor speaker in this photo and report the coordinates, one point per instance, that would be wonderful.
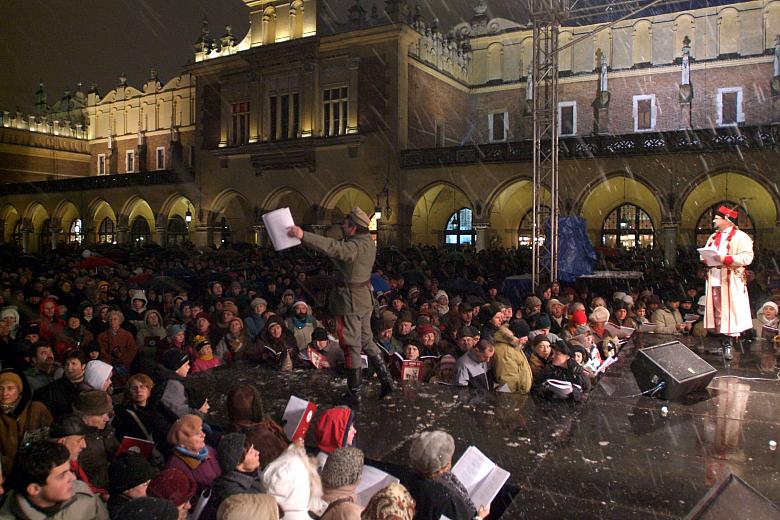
(680, 369)
(732, 498)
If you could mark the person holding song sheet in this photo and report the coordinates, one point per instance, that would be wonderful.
(728, 306)
(351, 301)
(765, 325)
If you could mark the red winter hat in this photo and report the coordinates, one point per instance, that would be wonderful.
(424, 329)
(727, 213)
(579, 317)
(174, 485)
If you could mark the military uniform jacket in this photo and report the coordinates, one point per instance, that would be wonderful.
(354, 259)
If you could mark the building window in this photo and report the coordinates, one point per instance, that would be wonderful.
(177, 231)
(704, 227)
(627, 227)
(101, 164)
(16, 234)
(239, 133)
(160, 156)
(729, 106)
(525, 231)
(130, 161)
(567, 118)
(644, 113)
(44, 240)
(459, 229)
(106, 232)
(140, 233)
(335, 111)
(75, 232)
(439, 134)
(285, 117)
(225, 232)
(498, 126)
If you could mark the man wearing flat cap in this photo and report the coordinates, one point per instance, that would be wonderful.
(727, 304)
(351, 300)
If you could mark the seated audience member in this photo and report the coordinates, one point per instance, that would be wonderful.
(384, 336)
(176, 486)
(135, 417)
(563, 368)
(170, 393)
(640, 315)
(301, 323)
(128, 478)
(97, 375)
(243, 506)
(44, 369)
(323, 352)
(404, 327)
(468, 336)
(766, 316)
(277, 346)
(151, 336)
(22, 419)
(411, 351)
(620, 316)
(239, 462)
(255, 322)
(204, 355)
(191, 455)
(70, 432)
(557, 312)
(596, 321)
(246, 416)
(510, 364)
(436, 491)
(74, 336)
(577, 319)
(93, 407)
(295, 484)
(340, 477)
(392, 502)
(43, 486)
(472, 368)
(117, 347)
(540, 355)
(143, 508)
(444, 370)
(60, 395)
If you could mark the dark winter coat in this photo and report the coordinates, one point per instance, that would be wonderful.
(29, 420)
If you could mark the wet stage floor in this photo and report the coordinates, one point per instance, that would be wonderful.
(612, 456)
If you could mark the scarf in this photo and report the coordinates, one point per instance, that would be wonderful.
(232, 342)
(451, 481)
(9, 408)
(764, 321)
(299, 324)
(193, 460)
(204, 357)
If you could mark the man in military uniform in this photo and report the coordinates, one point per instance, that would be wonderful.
(351, 300)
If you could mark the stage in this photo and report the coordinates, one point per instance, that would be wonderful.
(612, 456)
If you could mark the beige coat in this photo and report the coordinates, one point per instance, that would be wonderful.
(511, 366)
(735, 305)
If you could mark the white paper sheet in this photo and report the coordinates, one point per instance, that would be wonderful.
(371, 481)
(277, 222)
(709, 256)
(481, 477)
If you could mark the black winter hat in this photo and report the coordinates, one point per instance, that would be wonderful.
(127, 471)
(67, 426)
(173, 358)
(319, 334)
(519, 328)
(146, 508)
(231, 451)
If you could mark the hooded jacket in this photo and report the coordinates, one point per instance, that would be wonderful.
(332, 428)
(29, 420)
(149, 339)
(510, 364)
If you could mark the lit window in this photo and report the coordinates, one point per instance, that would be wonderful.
(75, 232)
(627, 227)
(106, 232)
(459, 229)
(285, 117)
(335, 111)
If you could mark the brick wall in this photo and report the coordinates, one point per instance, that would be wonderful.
(431, 99)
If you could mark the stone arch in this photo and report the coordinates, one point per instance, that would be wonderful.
(495, 62)
(642, 42)
(684, 25)
(728, 31)
(433, 206)
(137, 207)
(287, 197)
(64, 214)
(749, 189)
(97, 212)
(340, 201)
(9, 216)
(176, 204)
(603, 195)
(506, 206)
(35, 217)
(236, 211)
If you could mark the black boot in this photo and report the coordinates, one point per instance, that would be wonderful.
(727, 348)
(385, 379)
(354, 380)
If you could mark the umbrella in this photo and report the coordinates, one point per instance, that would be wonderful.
(95, 261)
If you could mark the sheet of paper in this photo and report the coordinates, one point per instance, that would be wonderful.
(488, 489)
(709, 256)
(277, 222)
(606, 364)
(371, 481)
(472, 467)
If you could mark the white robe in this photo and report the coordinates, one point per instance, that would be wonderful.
(735, 314)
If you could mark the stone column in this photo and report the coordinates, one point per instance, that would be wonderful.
(87, 234)
(27, 234)
(483, 230)
(122, 231)
(354, 102)
(669, 241)
(55, 227)
(259, 234)
(204, 235)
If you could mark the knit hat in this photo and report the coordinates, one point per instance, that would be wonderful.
(430, 451)
(538, 339)
(184, 428)
(319, 334)
(231, 451)
(127, 471)
(387, 322)
(533, 301)
(542, 322)
(441, 295)
(257, 301)
(359, 217)
(447, 361)
(248, 505)
(244, 403)
(424, 329)
(579, 317)
(405, 315)
(343, 468)
(493, 309)
(92, 402)
(599, 314)
(562, 347)
(468, 331)
(200, 342)
(96, 373)
(11, 377)
(174, 485)
(229, 305)
(332, 428)
(392, 502)
(196, 398)
(173, 359)
(519, 328)
(66, 426)
(144, 508)
(174, 329)
(653, 298)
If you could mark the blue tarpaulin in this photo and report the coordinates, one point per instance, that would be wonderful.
(576, 256)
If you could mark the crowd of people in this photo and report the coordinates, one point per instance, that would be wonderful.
(100, 419)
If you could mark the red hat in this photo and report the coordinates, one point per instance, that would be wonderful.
(727, 213)
(174, 485)
(424, 329)
(579, 317)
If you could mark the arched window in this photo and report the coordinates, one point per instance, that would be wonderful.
(140, 233)
(107, 232)
(75, 232)
(704, 227)
(177, 231)
(525, 232)
(225, 232)
(459, 229)
(627, 227)
(16, 234)
(44, 240)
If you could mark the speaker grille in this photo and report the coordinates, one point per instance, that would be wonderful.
(680, 363)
